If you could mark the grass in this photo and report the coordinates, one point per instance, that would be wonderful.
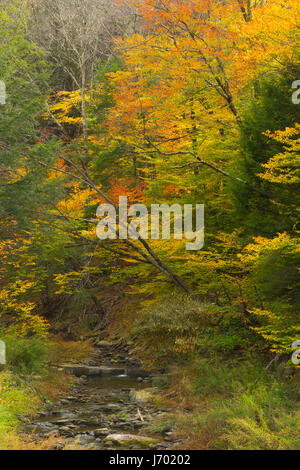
(234, 405)
(17, 399)
(26, 355)
(68, 351)
(220, 391)
(27, 383)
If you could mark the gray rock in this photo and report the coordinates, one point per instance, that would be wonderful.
(130, 439)
(101, 432)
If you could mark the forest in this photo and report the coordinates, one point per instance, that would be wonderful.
(171, 108)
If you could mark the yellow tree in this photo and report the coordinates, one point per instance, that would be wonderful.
(186, 73)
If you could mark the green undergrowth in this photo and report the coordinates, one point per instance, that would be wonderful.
(234, 405)
(27, 384)
(16, 399)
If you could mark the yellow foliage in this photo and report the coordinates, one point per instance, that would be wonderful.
(284, 167)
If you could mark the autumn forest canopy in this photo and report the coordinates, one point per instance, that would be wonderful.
(165, 102)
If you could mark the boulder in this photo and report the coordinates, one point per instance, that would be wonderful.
(124, 440)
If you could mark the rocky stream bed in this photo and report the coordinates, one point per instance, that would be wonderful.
(109, 407)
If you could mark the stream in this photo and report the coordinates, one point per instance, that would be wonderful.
(104, 412)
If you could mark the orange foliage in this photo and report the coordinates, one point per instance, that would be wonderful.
(185, 73)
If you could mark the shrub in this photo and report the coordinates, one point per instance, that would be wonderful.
(179, 326)
(274, 270)
(26, 355)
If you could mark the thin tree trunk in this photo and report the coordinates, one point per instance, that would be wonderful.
(83, 111)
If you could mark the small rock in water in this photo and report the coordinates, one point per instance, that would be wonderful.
(83, 379)
(101, 432)
(109, 444)
(64, 402)
(61, 422)
(64, 429)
